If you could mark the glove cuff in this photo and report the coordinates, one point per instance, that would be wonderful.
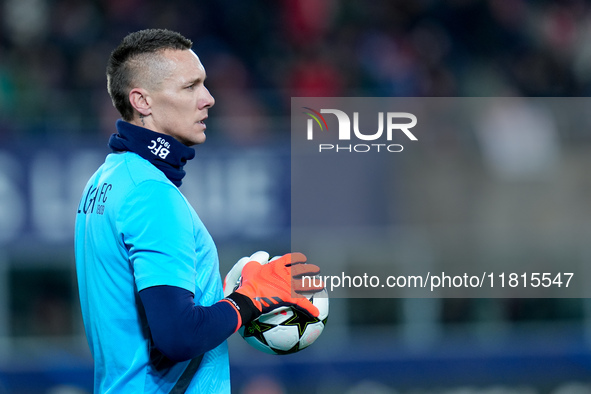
(246, 309)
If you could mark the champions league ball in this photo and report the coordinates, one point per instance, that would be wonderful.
(287, 330)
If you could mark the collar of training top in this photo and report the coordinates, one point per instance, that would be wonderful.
(163, 151)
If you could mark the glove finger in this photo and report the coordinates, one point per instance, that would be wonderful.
(237, 268)
(300, 270)
(226, 287)
(294, 258)
(307, 285)
(233, 275)
(261, 257)
(306, 306)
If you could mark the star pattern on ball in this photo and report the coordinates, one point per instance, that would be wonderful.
(301, 320)
(255, 329)
(285, 330)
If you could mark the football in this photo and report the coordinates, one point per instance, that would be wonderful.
(287, 330)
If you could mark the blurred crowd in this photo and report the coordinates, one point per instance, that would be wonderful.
(260, 53)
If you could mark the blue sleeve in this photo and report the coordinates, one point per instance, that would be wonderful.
(182, 330)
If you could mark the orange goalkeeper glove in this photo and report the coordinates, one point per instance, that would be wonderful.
(265, 287)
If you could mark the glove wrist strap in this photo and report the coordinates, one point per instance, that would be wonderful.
(244, 306)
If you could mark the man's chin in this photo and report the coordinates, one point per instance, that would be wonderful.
(195, 141)
(201, 139)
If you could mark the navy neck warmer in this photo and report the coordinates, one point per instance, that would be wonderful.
(163, 151)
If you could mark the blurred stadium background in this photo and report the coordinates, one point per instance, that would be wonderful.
(56, 116)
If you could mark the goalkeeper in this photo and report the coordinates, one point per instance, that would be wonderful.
(148, 273)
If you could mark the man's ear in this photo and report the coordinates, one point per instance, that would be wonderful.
(140, 100)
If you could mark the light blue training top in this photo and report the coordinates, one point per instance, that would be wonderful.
(134, 230)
